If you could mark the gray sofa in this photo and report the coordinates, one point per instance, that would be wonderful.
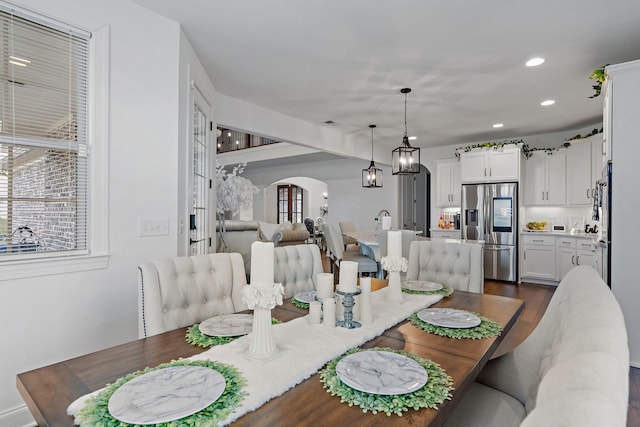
(239, 236)
(573, 370)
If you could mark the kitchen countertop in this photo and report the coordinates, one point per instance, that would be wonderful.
(580, 235)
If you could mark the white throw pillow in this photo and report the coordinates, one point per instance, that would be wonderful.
(267, 230)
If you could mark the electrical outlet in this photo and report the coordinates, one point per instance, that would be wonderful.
(154, 227)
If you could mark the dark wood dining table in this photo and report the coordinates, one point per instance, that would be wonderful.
(49, 390)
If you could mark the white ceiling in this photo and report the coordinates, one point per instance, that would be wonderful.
(346, 61)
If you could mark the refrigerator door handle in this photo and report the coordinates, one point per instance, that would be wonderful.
(500, 248)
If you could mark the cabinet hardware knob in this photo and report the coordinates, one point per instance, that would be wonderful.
(573, 258)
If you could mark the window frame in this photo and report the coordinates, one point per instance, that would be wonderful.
(96, 255)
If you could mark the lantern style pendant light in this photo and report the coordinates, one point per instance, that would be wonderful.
(372, 176)
(405, 159)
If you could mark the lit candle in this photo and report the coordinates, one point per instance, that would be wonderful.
(262, 264)
(324, 286)
(394, 243)
(348, 276)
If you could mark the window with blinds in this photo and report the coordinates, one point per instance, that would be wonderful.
(43, 136)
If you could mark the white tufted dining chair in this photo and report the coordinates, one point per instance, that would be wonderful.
(181, 291)
(297, 267)
(458, 265)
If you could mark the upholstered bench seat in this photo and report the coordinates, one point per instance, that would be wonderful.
(572, 371)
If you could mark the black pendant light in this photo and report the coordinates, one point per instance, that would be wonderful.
(405, 160)
(372, 176)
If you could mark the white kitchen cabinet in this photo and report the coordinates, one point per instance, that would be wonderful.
(538, 257)
(545, 179)
(584, 167)
(451, 233)
(448, 178)
(490, 165)
(572, 252)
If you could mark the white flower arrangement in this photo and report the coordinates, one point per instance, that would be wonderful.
(233, 191)
(394, 263)
(263, 297)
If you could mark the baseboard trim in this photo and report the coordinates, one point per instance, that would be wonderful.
(17, 417)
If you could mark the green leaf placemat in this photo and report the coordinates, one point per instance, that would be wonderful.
(437, 390)
(446, 291)
(96, 411)
(195, 337)
(299, 304)
(487, 328)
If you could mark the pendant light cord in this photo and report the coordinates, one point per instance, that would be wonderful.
(372, 144)
(405, 114)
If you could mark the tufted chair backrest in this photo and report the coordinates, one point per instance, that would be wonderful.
(458, 265)
(296, 267)
(181, 291)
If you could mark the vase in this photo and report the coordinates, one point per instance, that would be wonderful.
(262, 343)
(394, 289)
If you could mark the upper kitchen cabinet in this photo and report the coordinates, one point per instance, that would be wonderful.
(490, 165)
(545, 178)
(448, 179)
(584, 168)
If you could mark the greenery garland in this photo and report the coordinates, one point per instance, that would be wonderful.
(487, 328)
(195, 337)
(446, 291)
(96, 411)
(437, 390)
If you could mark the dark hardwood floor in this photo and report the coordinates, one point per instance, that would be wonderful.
(537, 298)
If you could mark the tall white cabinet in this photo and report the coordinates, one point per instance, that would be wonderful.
(448, 178)
(584, 166)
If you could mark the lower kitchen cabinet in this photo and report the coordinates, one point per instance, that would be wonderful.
(573, 252)
(538, 257)
(548, 258)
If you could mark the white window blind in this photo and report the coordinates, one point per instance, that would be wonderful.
(43, 136)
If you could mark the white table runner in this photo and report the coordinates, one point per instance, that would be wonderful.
(304, 349)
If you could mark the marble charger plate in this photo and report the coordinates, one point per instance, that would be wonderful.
(449, 318)
(305, 296)
(227, 325)
(166, 394)
(421, 285)
(381, 372)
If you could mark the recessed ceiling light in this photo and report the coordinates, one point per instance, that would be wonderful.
(329, 122)
(547, 102)
(413, 138)
(534, 62)
(498, 125)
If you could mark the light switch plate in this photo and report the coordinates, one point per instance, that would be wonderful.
(154, 227)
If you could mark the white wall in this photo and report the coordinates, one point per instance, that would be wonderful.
(347, 199)
(51, 318)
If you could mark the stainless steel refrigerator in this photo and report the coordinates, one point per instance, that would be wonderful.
(490, 213)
